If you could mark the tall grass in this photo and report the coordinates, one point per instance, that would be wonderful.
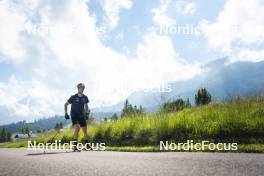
(239, 121)
(236, 121)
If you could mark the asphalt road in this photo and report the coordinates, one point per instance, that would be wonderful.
(20, 162)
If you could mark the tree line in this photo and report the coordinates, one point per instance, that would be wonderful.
(43, 124)
(202, 97)
(5, 136)
(25, 130)
(58, 126)
(130, 110)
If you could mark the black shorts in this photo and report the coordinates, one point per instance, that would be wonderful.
(78, 119)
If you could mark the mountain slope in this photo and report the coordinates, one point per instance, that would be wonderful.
(219, 77)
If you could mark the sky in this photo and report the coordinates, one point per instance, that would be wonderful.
(115, 47)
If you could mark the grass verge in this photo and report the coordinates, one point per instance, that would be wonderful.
(240, 121)
(242, 148)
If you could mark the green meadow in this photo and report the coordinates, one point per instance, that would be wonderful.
(239, 121)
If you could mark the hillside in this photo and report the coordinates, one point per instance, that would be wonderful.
(223, 80)
(240, 121)
(40, 124)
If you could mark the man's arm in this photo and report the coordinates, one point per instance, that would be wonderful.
(66, 110)
(87, 111)
(86, 108)
(66, 107)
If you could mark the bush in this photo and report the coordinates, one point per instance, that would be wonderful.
(176, 105)
(202, 97)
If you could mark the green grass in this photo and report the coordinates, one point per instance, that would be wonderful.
(245, 148)
(239, 121)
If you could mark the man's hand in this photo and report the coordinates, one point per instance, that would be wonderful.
(86, 115)
(67, 116)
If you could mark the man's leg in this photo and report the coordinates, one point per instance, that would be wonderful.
(85, 133)
(76, 131)
(83, 125)
(85, 138)
(75, 135)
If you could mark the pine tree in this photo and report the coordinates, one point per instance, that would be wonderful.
(3, 135)
(188, 103)
(176, 105)
(125, 108)
(22, 130)
(61, 125)
(141, 110)
(130, 110)
(202, 97)
(114, 117)
(56, 126)
(8, 136)
(27, 131)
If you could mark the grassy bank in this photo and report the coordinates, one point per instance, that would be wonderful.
(246, 148)
(239, 121)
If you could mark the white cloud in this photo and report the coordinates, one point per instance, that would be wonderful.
(11, 25)
(250, 55)
(165, 14)
(157, 60)
(28, 100)
(57, 61)
(160, 14)
(112, 9)
(186, 8)
(239, 25)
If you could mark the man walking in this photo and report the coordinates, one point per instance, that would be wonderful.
(79, 114)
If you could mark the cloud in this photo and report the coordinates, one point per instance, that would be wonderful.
(11, 26)
(238, 26)
(61, 48)
(27, 100)
(158, 61)
(167, 11)
(250, 55)
(186, 8)
(112, 9)
(160, 14)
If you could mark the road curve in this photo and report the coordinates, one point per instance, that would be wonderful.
(14, 162)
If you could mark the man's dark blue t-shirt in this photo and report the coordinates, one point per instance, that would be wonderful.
(77, 104)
